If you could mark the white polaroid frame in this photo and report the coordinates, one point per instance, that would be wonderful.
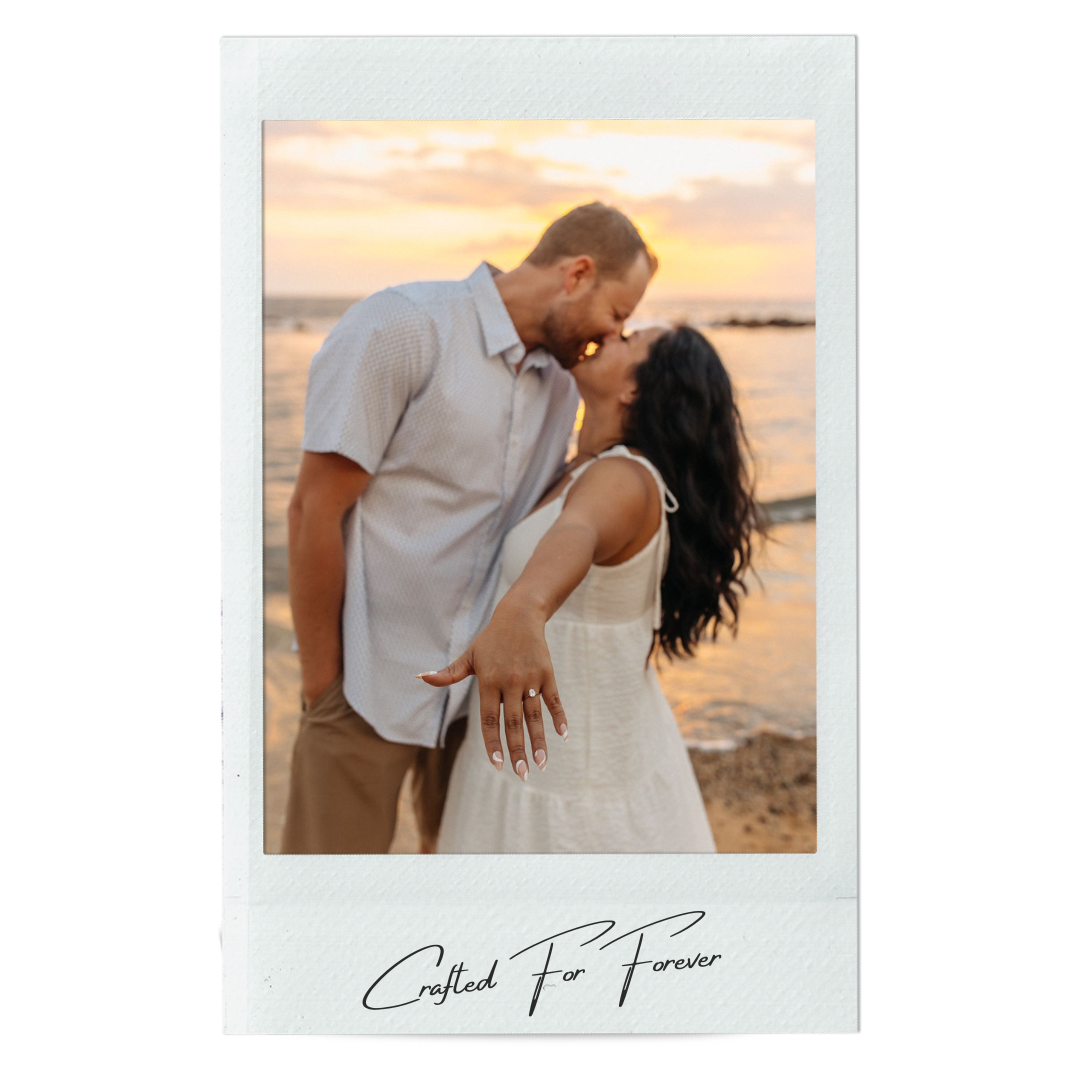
(342, 944)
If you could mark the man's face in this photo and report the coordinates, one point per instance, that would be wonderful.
(592, 311)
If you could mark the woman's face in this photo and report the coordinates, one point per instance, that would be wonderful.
(609, 372)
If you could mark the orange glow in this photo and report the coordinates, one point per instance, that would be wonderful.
(354, 206)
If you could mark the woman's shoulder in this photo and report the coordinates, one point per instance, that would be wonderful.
(619, 468)
(618, 494)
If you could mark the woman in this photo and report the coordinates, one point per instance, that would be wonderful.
(614, 578)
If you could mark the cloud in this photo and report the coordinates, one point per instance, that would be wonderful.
(536, 165)
(482, 246)
(390, 197)
(795, 133)
(468, 176)
(295, 186)
(719, 211)
(486, 177)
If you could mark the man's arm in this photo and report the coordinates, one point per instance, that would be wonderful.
(326, 490)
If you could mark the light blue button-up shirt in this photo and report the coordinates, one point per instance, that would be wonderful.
(418, 384)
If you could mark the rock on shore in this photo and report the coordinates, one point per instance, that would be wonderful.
(762, 796)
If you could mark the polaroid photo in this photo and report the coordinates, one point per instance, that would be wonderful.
(539, 603)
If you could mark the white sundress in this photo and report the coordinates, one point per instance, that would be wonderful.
(623, 781)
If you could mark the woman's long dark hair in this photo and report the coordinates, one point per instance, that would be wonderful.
(685, 421)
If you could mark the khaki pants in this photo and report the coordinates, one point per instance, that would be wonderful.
(345, 781)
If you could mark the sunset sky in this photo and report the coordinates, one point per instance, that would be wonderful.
(355, 206)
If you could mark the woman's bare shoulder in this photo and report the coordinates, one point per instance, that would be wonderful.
(619, 498)
(609, 475)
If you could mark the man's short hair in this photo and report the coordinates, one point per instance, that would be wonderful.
(605, 234)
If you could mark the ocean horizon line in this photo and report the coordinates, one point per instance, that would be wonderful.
(306, 312)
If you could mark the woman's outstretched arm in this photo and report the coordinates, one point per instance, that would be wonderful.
(607, 510)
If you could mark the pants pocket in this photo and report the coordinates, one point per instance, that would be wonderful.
(326, 695)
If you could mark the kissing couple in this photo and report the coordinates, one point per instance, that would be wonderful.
(438, 527)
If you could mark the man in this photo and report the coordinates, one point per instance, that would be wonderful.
(437, 413)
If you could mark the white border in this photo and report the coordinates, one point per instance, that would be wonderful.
(299, 933)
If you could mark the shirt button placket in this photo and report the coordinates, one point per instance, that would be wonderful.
(515, 455)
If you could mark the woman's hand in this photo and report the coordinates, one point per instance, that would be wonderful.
(614, 503)
(510, 658)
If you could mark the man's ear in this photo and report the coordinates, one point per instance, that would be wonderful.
(579, 275)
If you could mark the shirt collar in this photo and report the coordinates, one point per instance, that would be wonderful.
(500, 337)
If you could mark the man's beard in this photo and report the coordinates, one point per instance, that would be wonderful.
(563, 340)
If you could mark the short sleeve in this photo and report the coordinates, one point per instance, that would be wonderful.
(362, 379)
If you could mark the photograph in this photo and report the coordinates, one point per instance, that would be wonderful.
(536, 408)
(539, 499)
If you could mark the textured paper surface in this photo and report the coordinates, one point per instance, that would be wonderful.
(306, 936)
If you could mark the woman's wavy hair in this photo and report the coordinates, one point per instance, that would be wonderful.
(685, 421)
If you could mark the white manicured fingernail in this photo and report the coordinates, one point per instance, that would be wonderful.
(498, 759)
(424, 673)
(541, 759)
(522, 769)
(564, 733)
